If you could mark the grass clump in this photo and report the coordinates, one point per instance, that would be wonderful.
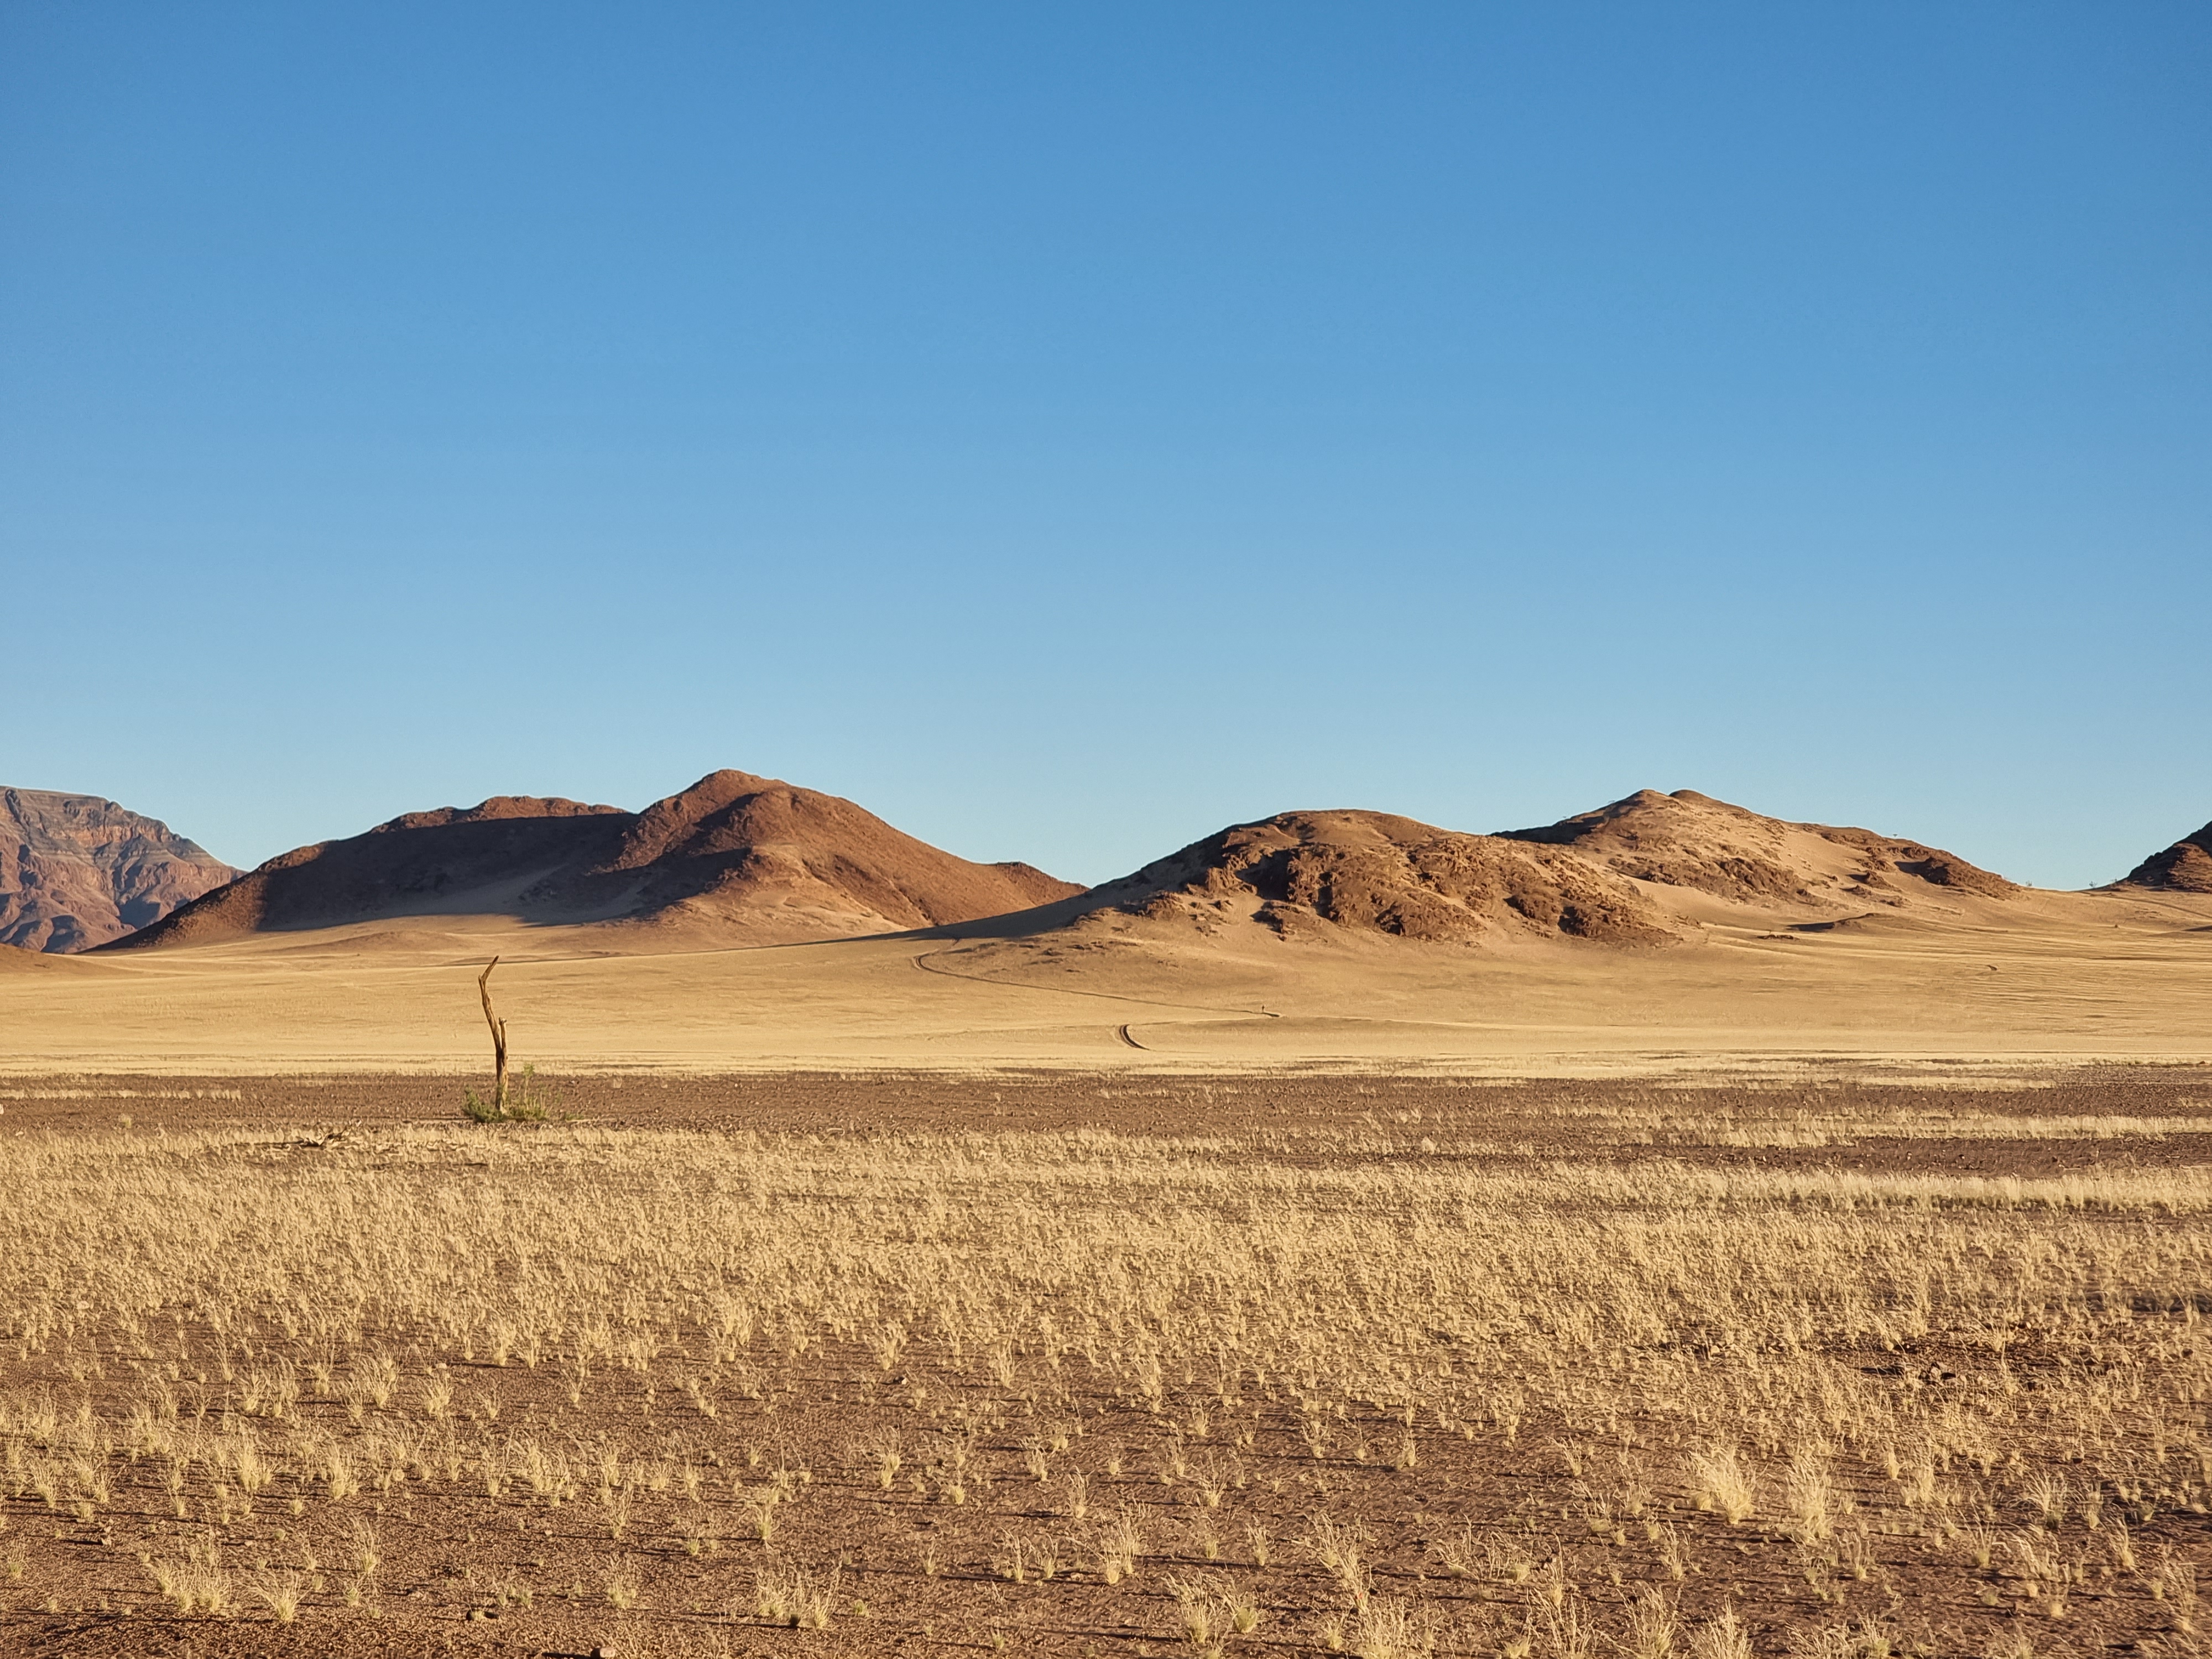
(525, 1103)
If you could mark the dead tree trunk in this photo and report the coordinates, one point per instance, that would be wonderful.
(498, 1038)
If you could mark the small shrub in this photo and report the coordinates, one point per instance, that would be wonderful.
(280, 1592)
(622, 1585)
(1725, 1483)
(525, 1103)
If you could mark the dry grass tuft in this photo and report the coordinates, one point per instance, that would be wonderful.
(1301, 1388)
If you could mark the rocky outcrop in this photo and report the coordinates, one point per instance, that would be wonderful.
(1374, 873)
(1692, 841)
(1647, 870)
(76, 871)
(2184, 867)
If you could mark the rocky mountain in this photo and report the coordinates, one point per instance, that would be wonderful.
(1691, 841)
(76, 871)
(1646, 870)
(2184, 867)
(1374, 873)
(735, 858)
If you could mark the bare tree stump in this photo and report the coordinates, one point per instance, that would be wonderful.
(498, 1038)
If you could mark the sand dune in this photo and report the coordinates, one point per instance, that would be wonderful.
(18, 959)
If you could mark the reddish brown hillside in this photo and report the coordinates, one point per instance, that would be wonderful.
(1374, 873)
(1692, 840)
(1602, 876)
(734, 845)
(447, 862)
(734, 856)
(2184, 867)
(76, 871)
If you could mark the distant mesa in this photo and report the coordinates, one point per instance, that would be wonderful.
(734, 858)
(2184, 867)
(78, 870)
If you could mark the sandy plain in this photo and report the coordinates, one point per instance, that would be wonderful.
(1139, 1293)
(2043, 977)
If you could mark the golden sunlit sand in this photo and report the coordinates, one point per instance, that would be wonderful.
(2040, 977)
(1672, 1232)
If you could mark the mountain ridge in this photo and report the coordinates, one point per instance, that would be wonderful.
(737, 857)
(1377, 872)
(79, 870)
(1640, 871)
(734, 855)
(1731, 852)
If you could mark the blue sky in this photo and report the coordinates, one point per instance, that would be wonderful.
(1068, 430)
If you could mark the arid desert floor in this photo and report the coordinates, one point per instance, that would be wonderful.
(2044, 978)
(1842, 1294)
(1057, 1362)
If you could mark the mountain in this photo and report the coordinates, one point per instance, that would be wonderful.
(1374, 873)
(2184, 867)
(1687, 839)
(733, 858)
(1647, 870)
(735, 847)
(1342, 910)
(740, 859)
(76, 871)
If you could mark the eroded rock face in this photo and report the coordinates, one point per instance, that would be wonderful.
(1692, 840)
(2184, 867)
(1374, 873)
(1598, 877)
(76, 871)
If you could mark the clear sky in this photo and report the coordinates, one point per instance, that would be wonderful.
(1066, 430)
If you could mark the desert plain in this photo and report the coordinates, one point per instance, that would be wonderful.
(1711, 1261)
